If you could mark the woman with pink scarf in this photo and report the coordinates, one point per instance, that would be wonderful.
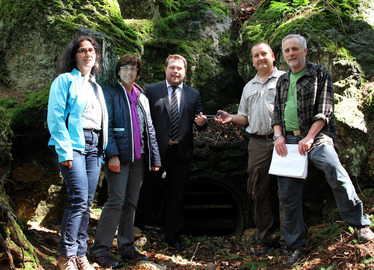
(132, 148)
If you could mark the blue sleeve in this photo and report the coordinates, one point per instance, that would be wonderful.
(57, 113)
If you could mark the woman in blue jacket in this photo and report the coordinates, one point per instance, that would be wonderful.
(132, 147)
(78, 122)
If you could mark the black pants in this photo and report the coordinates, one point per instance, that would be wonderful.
(164, 198)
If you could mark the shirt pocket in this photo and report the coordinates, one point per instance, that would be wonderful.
(118, 132)
(270, 95)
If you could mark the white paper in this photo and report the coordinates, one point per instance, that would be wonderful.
(293, 165)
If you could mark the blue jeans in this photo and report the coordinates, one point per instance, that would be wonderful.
(325, 158)
(119, 210)
(81, 181)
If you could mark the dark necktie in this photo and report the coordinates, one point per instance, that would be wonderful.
(174, 114)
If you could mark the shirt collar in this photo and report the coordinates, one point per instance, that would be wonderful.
(273, 74)
(179, 86)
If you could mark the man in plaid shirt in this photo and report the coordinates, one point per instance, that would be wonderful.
(304, 115)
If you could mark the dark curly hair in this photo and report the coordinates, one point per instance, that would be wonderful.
(67, 61)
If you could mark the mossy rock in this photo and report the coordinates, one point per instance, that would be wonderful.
(35, 33)
(333, 28)
(5, 146)
(202, 34)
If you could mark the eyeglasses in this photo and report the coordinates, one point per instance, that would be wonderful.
(128, 68)
(90, 51)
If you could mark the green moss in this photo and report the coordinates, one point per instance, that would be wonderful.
(103, 16)
(144, 28)
(333, 20)
(33, 113)
(5, 143)
(168, 7)
(172, 26)
(275, 19)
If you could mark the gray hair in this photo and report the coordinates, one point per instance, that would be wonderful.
(300, 37)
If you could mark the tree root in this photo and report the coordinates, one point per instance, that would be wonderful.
(10, 241)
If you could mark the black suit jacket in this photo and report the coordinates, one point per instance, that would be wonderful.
(190, 105)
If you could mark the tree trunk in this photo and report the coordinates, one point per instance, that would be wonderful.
(15, 249)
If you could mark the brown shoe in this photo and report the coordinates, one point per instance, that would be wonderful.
(67, 263)
(83, 264)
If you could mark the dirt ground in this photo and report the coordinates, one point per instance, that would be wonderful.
(330, 246)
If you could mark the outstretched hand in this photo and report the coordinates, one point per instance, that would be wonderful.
(223, 117)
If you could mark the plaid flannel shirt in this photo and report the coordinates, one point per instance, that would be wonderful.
(315, 101)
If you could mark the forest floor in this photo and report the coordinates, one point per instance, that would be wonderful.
(329, 246)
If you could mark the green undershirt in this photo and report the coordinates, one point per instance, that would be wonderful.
(290, 111)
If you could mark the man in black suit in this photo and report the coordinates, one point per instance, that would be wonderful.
(174, 108)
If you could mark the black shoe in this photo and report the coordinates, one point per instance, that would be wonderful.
(294, 256)
(132, 256)
(177, 245)
(105, 261)
(261, 250)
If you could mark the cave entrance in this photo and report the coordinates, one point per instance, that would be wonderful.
(212, 207)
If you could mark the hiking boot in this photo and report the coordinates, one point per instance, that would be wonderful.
(261, 250)
(285, 251)
(67, 263)
(83, 264)
(132, 256)
(364, 234)
(105, 261)
(294, 256)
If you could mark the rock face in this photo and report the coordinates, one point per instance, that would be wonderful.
(338, 40)
(206, 40)
(33, 36)
(147, 9)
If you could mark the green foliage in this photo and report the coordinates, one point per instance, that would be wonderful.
(278, 10)
(169, 7)
(329, 233)
(33, 113)
(232, 256)
(331, 267)
(7, 103)
(254, 265)
(5, 142)
(170, 27)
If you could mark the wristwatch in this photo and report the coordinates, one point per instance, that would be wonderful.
(275, 136)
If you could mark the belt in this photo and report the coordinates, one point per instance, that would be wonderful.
(293, 133)
(264, 137)
(91, 130)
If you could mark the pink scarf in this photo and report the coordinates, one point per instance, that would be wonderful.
(133, 98)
